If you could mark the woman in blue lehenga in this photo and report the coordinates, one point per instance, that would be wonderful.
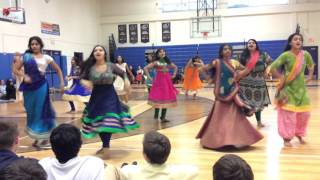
(40, 113)
(76, 92)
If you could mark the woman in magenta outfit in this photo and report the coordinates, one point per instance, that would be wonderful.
(163, 94)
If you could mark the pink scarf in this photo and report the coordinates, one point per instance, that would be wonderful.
(253, 60)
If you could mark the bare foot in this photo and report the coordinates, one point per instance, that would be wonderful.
(301, 140)
(44, 144)
(194, 96)
(164, 120)
(35, 143)
(260, 125)
(287, 143)
(102, 151)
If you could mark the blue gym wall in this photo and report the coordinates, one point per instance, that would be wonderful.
(179, 54)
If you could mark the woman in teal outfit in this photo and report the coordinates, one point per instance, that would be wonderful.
(40, 113)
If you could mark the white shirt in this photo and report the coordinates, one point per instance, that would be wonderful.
(3, 90)
(78, 168)
(122, 66)
(159, 172)
(43, 62)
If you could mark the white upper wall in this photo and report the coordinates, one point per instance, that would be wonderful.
(79, 26)
(262, 23)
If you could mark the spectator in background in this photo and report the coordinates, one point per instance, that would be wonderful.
(139, 76)
(232, 167)
(156, 150)
(9, 139)
(24, 169)
(10, 89)
(2, 89)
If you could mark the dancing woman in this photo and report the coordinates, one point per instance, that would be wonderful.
(226, 124)
(76, 92)
(104, 114)
(253, 87)
(192, 80)
(292, 100)
(40, 113)
(152, 72)
(163, 94)
(124, 95)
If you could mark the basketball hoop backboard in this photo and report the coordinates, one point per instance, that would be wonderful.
(206, 27)
(12, 11)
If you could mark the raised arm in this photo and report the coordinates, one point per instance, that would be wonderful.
(130, 73)
(175, 69)
(59, 72)
(147, 68)
(16, 68)
(310, 65)
(116, 70)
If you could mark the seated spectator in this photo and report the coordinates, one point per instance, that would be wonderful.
(67, 165)
(232, 167)
(24, 169)
(9, 138)
(3, 91)
(10, 89)
(156, 150)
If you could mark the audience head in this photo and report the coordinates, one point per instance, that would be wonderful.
(9, 135)
(24, 169)
(232, 167)
(65, 142)
(156, 147)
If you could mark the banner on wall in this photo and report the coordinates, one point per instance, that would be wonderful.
(122, 33)
(48, 28)
(144, 30)
(166, 32)
(133, 33)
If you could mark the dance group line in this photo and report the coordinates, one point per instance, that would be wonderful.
(239, 87)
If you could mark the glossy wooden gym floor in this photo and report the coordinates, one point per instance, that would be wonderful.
(268, 158)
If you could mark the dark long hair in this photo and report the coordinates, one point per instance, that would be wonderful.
(288, 46)
(36, 38)
(123, 60)
(78, 61)
(246, 53)
(165, 58)
(221, 50)
(86, 65)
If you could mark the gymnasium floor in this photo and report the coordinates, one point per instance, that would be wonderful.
(268, 158)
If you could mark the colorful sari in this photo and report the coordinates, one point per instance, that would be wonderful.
(292, 100)
(40, 113)
(226, 124)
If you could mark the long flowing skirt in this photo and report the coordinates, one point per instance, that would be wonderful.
(77, 93)
(254, 91)
(105, 113)
(191, 79)
(227, 125)
(163, 94)
(40, 113)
